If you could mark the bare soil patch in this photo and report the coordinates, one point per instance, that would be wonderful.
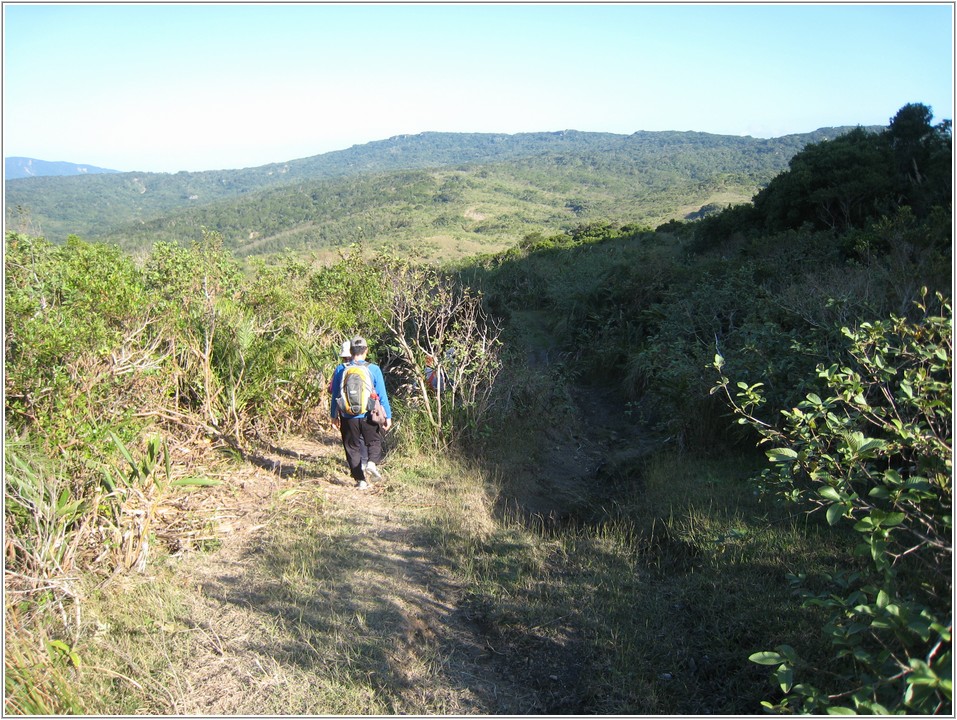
(263, 613)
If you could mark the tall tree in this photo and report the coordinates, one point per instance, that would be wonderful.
(922, 157)
(834, 184)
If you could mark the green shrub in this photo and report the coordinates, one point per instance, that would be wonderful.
(348, 292)
(101, 354)
(873, 450)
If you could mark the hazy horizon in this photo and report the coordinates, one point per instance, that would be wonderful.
(166, 88)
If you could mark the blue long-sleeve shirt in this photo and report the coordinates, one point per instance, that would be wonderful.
(378, 387)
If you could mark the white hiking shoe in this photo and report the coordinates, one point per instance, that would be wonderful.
(363, 485)
(371, 468)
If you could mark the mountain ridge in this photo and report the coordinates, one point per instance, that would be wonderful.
(574, 169)
(17, 167)
(394, 146)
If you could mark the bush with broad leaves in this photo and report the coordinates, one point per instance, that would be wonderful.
(873, 451)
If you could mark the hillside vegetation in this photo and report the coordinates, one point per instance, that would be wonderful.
(642, 432)
(480, 191)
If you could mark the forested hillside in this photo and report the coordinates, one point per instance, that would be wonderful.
(640, 432)
(505, 184)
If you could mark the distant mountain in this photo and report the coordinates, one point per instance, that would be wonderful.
(24, 167)
(480, 187)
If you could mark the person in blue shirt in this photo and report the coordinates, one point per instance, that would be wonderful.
(357, 428)
(345, 357)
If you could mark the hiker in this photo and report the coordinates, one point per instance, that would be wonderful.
(353, 386)
(434, 378)
(345, 357)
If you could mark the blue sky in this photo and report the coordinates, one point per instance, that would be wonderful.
(165, 88)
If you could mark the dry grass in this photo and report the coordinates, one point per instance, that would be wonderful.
(318, 600)
(416, 598)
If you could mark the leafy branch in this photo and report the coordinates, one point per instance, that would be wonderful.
(875, 452)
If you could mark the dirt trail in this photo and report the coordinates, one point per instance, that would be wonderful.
(445, 654)
(257, 636)
(574, 474)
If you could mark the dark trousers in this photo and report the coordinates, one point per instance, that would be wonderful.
(355, 432)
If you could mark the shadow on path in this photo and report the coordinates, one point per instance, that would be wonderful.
(350, 591)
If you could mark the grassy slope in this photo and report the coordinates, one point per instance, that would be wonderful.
(420, 600)
(489, 214)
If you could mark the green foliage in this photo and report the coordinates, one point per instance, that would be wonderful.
(61, 298)
(103, 355)
(847, 183)
(923, 156)
(37, 680)
(874, 451)
(348, 291)
(249, 347)
(41, 514)
(69, 312)
(477, 187)
(850, 181)
(840, 247)
(734, 222)
(839, 183)
(633, 301)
